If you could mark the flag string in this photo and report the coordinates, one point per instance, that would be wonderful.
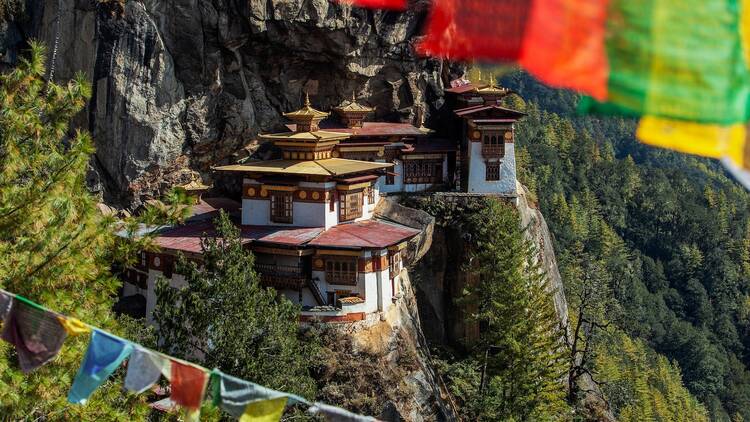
(25, 320)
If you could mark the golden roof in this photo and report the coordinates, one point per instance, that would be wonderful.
(306, 112)
(317, 136)
(492, 89)
(354, 107)
(326, 167)
(194, 185)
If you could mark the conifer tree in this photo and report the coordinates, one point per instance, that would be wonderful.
(55, 247)
(519, 326)
(224, 318)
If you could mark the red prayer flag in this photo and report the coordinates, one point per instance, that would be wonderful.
(476, 29)
(378, 4)
(564, 45)
(188, 385)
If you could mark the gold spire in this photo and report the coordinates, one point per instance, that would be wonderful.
(307, 118)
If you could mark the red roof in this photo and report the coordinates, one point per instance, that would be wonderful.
(461, 89)
(357, 235)
(434, 145)
(210, 206)
(364, 234)
(372, 129)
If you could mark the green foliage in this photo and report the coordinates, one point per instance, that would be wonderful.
(55, 245)
(643, 385)
(669, 230)
(510, 302)
(222, 317)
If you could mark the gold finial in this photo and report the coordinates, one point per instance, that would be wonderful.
(307, 99)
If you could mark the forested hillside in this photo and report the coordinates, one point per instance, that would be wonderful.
(653, 246)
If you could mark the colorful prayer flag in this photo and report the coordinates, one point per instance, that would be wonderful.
(188, 385)
(35, 332)
(378, 4)
(104, 354)
(564, 44)
(337, 414)
(144, 369)
(73, 326)
(234, 394)
(475, 29)
(264, 410)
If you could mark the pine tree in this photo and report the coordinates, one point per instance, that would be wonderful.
(55, 247)
(520, 331)
(222, 317)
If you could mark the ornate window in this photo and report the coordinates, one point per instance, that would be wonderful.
(423, 171)
(492, 171)
(341, 270)
(394, 264)
(493, 143)
(281, 207)
(350, 205)
(371, 195)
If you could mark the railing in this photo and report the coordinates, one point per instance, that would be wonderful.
(282, 276)
(493, 150)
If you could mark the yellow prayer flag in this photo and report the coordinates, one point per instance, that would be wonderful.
(707, 140)
(73, 326)
(264, 411)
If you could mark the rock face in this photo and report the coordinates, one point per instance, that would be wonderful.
(188, 83)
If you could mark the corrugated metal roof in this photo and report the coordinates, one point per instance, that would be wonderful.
(475, 109)
(364, 234)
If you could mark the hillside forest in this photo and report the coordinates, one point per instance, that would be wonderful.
(654, 251)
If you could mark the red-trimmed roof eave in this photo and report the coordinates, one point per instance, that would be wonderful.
(481, 107)
(463, 88)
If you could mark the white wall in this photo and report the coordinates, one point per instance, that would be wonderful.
(477, 171)
(256, 212)
(400, 186)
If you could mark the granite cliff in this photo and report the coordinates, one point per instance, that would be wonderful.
(181, 85)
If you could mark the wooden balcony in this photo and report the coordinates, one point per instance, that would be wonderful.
(494, 151)
(282, 276)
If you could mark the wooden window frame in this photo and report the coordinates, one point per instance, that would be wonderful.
(390, 179)
(283, 211)
(493, 143)
(371, 194)
(342, 270)
(492, 171)
(351, 205)
(428, 171)
(394, 264)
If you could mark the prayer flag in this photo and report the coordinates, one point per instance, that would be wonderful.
(235, 394)
(475, 29)
(6, 300)
(264, 410)
(35, 332)
(188, 385)
(144, 370)
(104, 354)
(337, 414)
(378, 4)
(564, 44)
(73, 326)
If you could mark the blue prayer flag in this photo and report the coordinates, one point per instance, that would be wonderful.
(105, 353)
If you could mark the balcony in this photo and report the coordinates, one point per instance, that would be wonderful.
(494, 151)
(282, 276)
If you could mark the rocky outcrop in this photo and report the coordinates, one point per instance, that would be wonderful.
(201, 78)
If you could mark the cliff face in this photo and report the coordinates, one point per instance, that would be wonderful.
(180, 85)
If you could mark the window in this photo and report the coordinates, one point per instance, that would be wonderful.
(394, 264)
(493, 144)
(350, 205)
(281, 207)
(493, 171)
(332, 202)
(371, 195)
(390, 179)
(341, 270)
(423, 171)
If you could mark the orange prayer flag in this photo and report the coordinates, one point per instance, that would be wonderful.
(564, 45)
(188, 385)
(476, 29)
